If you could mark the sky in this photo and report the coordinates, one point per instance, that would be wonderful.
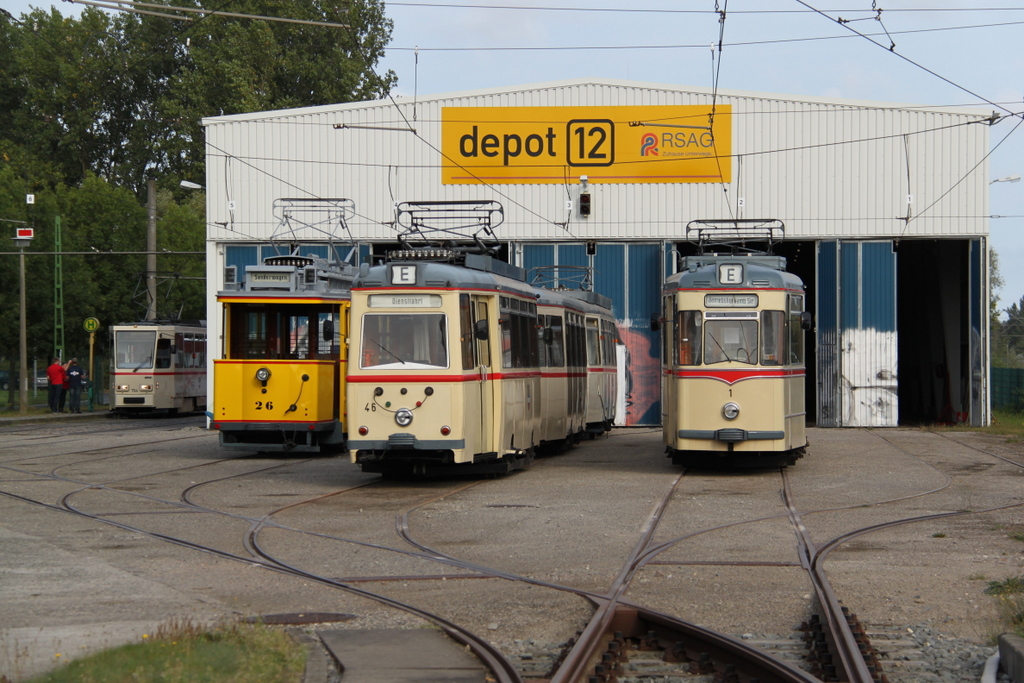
(918, 52)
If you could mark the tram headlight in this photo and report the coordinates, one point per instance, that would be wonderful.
(263, 374)
(123, 387)
(730, 411)
(145, 387)
(403, 416)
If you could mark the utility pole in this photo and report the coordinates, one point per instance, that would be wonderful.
(151, 248)
(23, 237)
(58, 291)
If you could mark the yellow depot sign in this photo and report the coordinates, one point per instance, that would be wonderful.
(527, 145)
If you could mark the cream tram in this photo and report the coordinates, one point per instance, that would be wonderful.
(733, 361)
(158, 366)
(457, 363)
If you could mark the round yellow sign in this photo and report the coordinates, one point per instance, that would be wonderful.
(92, 324)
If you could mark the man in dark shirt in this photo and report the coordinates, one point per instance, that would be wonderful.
(76, 378)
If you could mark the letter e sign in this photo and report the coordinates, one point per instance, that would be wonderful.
(403, 275)
(730, 273)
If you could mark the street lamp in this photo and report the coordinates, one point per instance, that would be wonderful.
(189, 185)
(1007, 179)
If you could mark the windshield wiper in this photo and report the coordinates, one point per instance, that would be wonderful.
(149, 359)
(724, 352)
(387, 351)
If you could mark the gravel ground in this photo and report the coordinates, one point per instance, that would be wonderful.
(70, 584)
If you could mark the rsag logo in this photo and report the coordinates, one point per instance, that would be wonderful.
(649, 145)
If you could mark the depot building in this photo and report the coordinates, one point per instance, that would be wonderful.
(884, 208)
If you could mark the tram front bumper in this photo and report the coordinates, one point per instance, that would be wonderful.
(730, 435)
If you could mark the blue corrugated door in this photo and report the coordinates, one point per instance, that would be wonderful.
(827, 323)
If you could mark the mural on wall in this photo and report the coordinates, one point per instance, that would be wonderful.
(642, 375)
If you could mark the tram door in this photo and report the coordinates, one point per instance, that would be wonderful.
(480, 392)
(669, 388)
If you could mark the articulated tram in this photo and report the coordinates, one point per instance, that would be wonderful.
(459, 365)
(733, 361)
(280, 384)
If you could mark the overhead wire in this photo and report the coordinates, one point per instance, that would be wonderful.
(905, 58)
(697, 46)
(716, 69)
(962, 179)
(641, 10)
(715, 80)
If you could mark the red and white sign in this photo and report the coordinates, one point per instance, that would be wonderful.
(25, 233)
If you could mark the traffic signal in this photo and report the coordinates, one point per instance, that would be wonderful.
(584, 204)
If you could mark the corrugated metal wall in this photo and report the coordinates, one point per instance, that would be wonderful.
(828, 169)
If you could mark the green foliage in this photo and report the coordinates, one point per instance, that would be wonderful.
(235, 654)
(93, 106)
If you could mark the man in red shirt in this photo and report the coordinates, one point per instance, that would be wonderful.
(57, 375)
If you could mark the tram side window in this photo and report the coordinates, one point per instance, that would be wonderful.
(518, 334)
(179, 357)
(163, 353)
(397, 340)
(773, 337)
(550, 333)
(329, 339)
(796, 331)
(187, 351)
(730, 340)
(608, 337)
(467, 342)
(667, 329)
(593, 343)
(134, 349)
(575, 342)
(688, 331)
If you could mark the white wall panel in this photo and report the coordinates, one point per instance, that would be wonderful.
(826, 168)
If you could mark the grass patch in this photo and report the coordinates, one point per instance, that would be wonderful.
(180, 652)
(1014, 584)
(938, 534)
(1010, 596)
(1004, 422)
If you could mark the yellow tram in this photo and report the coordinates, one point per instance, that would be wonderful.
(280, 384)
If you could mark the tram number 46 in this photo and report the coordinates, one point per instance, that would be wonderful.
(260, 406)
(590, 142)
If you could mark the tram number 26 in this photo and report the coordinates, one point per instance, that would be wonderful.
(591, 142)
(260, 405)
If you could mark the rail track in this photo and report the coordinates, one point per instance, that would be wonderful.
(623, 639)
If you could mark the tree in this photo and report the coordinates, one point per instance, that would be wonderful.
(92, 107)
(235, 66)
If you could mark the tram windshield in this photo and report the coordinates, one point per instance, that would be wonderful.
(404, 341)
(293, 331)
(730, 340)
(134, 349)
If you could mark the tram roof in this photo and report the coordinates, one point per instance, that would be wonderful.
(760, 271)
